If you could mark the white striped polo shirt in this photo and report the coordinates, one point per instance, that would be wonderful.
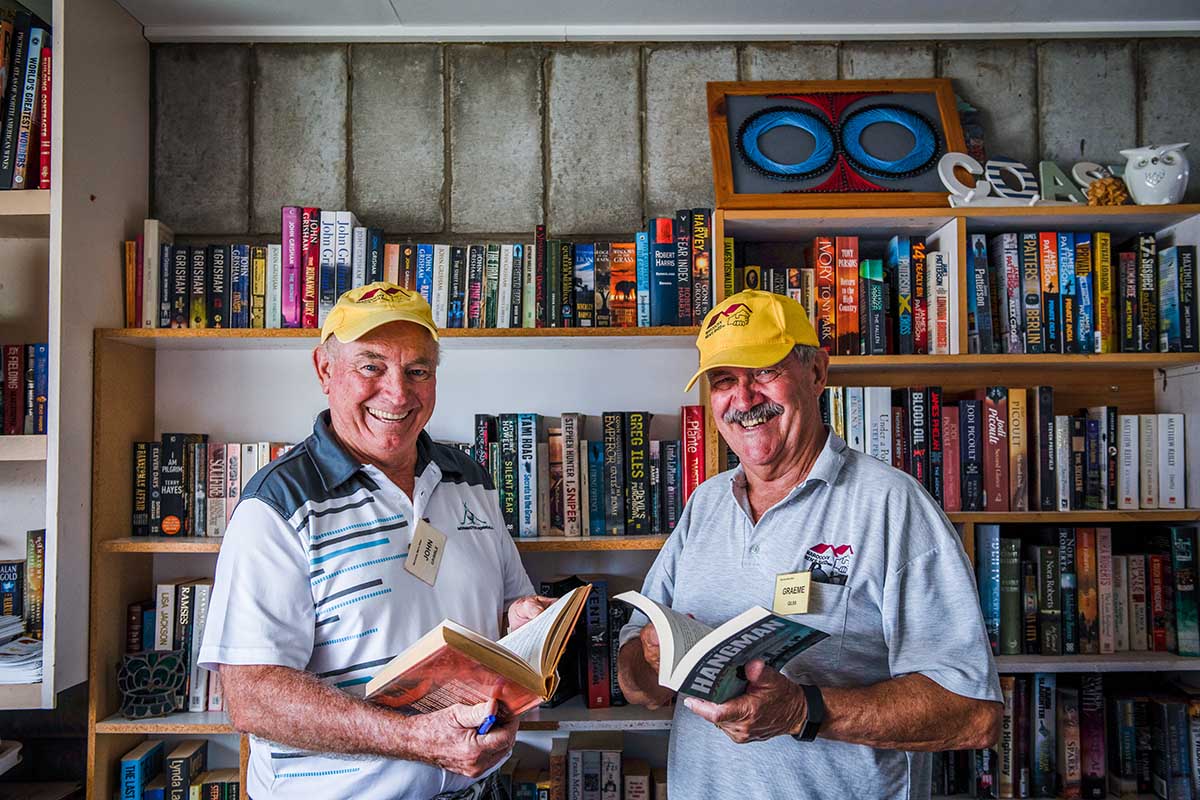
(311, 576)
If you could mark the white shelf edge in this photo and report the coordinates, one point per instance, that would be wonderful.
(1109, 662)
(17, 696)
(23, 448)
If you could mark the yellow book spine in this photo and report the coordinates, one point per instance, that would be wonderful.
(1106, 320)
(1018, 451)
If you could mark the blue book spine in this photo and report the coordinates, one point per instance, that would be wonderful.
(642, 246)
(596, 501)
(1168, 302)
(131, 780)
(374, 255)
(1068, 303)
(1084, 320)
(148, 628)
(664, 299)
(527, 488)
(425, 271)
(980, 334)
(1043, 731)
(239, 282)
(987, 577)
(898, 265)
(41, 386)
(585, 283)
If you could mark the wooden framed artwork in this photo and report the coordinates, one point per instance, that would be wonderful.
(831, 144)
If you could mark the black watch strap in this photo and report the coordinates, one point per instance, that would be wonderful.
(814, 713)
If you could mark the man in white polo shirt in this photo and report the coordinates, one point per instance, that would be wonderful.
(312, 594)
(906, 670)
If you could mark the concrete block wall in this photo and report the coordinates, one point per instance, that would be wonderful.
(468, 139)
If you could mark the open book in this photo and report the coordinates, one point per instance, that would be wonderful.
(708, 663)
(452, 664)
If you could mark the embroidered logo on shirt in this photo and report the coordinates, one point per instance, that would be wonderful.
(472, 522)
(829, 563)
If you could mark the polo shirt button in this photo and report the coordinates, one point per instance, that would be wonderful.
(754, 549)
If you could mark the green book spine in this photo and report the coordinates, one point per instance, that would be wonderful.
(1183, 548)
(1049, 601)
(1010, 597)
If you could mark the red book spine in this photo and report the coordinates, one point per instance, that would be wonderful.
(1158, 601)
(44, 125)
(310, 247)
(952, 492)
(693, 449)
(825, 262)
(847, 296)
(14, 386)
(995, 448)
(539, 275)
(900, 438)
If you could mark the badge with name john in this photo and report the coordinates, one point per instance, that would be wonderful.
(425, 554)
(791, 593)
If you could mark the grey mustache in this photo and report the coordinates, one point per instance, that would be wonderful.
(759, 413)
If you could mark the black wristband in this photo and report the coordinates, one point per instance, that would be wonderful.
(814, 714)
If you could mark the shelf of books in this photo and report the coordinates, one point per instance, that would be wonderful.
(966, 381)
(23, 447)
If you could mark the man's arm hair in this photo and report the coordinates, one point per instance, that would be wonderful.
(911, 712)
(292, 707)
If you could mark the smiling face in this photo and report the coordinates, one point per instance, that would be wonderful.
(769, 416)
(382, 389)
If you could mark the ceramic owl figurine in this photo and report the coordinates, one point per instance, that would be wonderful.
(1156, 174)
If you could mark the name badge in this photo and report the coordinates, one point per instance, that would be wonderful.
(425, 554)
(791, 593)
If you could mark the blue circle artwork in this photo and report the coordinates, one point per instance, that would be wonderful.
(919, 159)
(824, 144)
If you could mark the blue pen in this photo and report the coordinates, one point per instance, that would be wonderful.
(487, 724)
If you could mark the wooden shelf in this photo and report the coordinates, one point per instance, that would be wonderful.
(23, 448)
(573, 715)
(1107, 362)
(20, 695)
(455, 338)
(542, 544)
(1109, 662)
(185, 723)
(25, 214)
(1057, 517)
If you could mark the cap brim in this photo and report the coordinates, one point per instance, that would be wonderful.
(350, 333)
(754, 355)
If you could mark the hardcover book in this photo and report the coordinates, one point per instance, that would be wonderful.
(708, 663)
(452, 664)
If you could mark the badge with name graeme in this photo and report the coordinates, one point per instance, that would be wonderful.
(425, 554)
(791, 593)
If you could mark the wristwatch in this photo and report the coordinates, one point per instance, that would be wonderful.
(814, 714)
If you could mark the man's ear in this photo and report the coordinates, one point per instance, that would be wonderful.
(323, 366)
(820, 371)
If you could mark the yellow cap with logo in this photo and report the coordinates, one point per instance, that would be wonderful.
(364, 309)
(752, 329)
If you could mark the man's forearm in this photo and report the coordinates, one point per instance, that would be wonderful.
(909, 713)
(292, 707)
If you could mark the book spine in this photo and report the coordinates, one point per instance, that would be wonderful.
(1046, 462)
(1006, 264)
(672, 465)
(1138, 609)
(141, 489)
(683, 267)
(942, 334)
(694, 467)
(1086, 578)
(1169, 318)
(198, 686)
(596, 486)
(1069, 755)
(1157, 591)
(1091, 735)
(1127, 462)
(1010, 601)
(274, 288)
(584, 274)
(1018, 451)
(1085, 318)
(971, 454)
(1049, 602)
(1104, 294)
(1129, 326)
(1031, 283)
(637, 478)
(358, 256)
(1171, 478)
(16, 76)
(855, 422)
(292, 293)
(618, 615)
(1148, 459)
(527, 484)
(572, 429)
(45, 128)
(343, 252)
(491, 286)
(1104, 590)
(663, 291)
(254, 314)
(425, 272)
(26, 126)
(995, 449)
(541, 288)
(507, 489)
(933, 396)
(233, 477)
(1048, 257)
(825, 261)
(702, 260)
(1183, 549)
(182, 638)
(988, 569)
(1068, 301)
(596, 615)
(327, 260)
(642, 256)
(1147, 295)
(218, 514)
(1045, 745)
(476, 314)
(1007, 744)
(1189, 308)
(1120, 584)
(197, 288)
(310, 266)
(613, 425)
(451, 276)
(980, 331)
(920, 293)
(847, 296)
(1069, 591)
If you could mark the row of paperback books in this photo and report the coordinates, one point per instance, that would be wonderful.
(22, 582)
(1072, 591)
(553, 481)
(589, 663)
(184, 485)
(1054, 292)
(173, 620)
(901, 302)
(23, 403)
(1005, 448)
(1073, 736)
(25, 69)
(662, 277)
(160, 770)
(583, 766)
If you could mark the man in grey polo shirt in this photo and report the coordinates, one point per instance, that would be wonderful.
(314, 593)
(906, 670)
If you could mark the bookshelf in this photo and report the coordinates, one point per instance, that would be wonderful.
(23, 448)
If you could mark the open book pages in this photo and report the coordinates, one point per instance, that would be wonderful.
(453, 664)
(705, 662)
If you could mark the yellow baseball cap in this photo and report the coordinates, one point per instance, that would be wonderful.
(752, 329)
(364, 309)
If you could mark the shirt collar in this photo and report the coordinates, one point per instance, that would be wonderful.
(336, 466)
